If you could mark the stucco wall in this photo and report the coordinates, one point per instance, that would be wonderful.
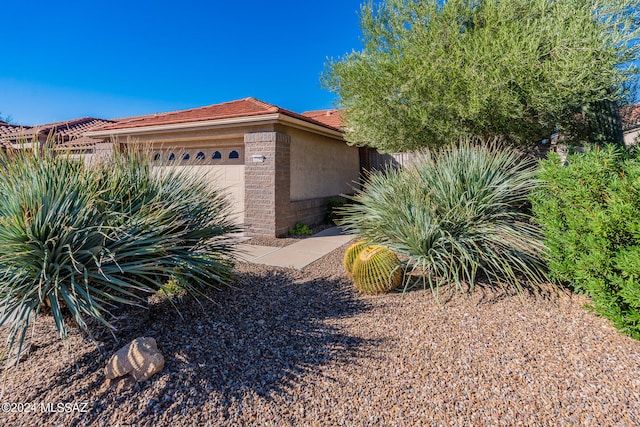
(224, 174)
(631, 136)
(300, 170)
(321, 166)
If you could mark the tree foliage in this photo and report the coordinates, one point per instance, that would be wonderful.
(432, 71)
(6, 119)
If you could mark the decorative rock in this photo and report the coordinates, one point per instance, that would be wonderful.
(140, 358)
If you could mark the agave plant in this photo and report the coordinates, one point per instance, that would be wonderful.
(455, 213)
(82, 240)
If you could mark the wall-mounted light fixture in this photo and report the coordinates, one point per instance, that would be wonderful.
(257, 158)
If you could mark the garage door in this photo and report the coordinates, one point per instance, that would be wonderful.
(223, 167)
(231, 179)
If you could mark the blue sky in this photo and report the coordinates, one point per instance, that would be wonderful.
(67, 59)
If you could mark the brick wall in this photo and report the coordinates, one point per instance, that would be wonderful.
(266, 183)
(268, 207)
(310, 212)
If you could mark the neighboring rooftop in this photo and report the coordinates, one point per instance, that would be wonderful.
(630, 115)
(331, 117)
(246, 107)
(63, 133)
(68, 129)
(7, 129)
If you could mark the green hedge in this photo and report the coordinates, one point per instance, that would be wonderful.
(589, 210)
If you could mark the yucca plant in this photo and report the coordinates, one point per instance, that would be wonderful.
(455, 213)
(376, 270)
(82, 240)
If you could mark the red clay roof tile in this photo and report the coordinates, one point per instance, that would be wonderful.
(63, 133)
(65, 129)
(246, 107)
(630, 115)
(331, 117)
(7, 129)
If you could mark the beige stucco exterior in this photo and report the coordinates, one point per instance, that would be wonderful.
(278, 170)
(631, 136)
(321, 166)
(224, 173)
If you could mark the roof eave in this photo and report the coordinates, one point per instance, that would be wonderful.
(261, 119)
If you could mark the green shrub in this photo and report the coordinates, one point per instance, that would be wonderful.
(455, 213)
(300, 229)
(590, 213)
(82, 240)
(172, 288)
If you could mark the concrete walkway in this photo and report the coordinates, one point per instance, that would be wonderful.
(297, 255)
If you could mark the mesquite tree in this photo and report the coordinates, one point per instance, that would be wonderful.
(432, 71)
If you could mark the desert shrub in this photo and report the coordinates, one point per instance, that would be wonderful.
(300, 229)
(455, 213)
(590, 213)
(80, 240)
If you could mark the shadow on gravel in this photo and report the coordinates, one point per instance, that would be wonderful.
(488, 292)
(260, 336)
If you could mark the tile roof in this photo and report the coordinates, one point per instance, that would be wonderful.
(69, 133)
(7, 129)
(630, 115)
(331, 117)
(246, 107)
(65, 130)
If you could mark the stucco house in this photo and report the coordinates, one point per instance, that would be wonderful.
(280, 167)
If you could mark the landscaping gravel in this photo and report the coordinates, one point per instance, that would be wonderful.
(291, 348)
(281, 242)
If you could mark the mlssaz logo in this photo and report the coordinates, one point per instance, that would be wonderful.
(64, 407)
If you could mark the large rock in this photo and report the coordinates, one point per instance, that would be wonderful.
(140, 358)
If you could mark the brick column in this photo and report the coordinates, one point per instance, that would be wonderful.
(267, 183)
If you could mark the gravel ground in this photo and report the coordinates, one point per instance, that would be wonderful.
(289, 348)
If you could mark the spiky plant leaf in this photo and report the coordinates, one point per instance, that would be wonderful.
(79, 240)
(456, 212)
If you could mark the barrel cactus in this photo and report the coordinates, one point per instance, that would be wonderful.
(376, 270)
(351, 254)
